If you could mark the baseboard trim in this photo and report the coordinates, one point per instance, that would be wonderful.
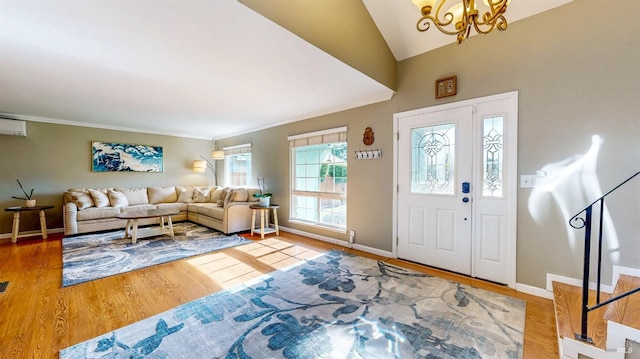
(607, 288)
(538, 292)
(7, 236)
(331, 240)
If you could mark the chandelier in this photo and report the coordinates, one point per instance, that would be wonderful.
(458, 19)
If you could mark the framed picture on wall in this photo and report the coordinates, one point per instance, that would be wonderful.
(120, 157)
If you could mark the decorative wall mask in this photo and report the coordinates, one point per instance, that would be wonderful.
(367, 136)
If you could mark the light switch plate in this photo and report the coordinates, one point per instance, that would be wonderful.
(528, 181)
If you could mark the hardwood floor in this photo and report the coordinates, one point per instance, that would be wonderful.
(38, 317)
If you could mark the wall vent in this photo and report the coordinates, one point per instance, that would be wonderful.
(13, 127)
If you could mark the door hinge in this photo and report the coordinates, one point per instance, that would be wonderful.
(398, 136)
(397, 188)
(397, 241)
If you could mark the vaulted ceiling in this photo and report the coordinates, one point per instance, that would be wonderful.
(203, 68)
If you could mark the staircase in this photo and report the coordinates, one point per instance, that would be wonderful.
(609, 326)
(591, 323)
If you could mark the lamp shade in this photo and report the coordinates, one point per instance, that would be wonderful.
(199, 165)
(217, 155)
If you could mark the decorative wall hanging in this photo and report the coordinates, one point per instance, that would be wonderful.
(367, 136)
(446, 86)
(108, 157)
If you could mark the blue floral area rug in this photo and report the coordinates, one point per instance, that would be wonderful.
(93, 256)
(335, 306)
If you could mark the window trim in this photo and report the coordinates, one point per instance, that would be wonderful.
(328, 136)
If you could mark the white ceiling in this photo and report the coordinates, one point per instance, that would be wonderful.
(200, 68)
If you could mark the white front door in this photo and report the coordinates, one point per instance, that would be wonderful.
(434, 224)
(456, 177)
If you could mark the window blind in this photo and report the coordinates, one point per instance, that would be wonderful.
(238, 149)
(338, 134)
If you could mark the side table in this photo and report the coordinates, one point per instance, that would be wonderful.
(265, 211)
(16, 220)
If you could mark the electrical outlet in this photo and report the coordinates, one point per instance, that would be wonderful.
(528, 181)
(352, 236)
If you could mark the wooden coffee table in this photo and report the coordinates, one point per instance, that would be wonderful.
(132, 218)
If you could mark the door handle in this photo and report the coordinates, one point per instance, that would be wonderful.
(465, 199)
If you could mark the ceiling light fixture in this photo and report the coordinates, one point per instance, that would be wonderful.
(461, 16)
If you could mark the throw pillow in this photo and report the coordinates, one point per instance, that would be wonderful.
(241, 195)
(82, 200)
(135, 195)
(230, 194)
(185, 196)
(223, 194)
(117, 199)
(162, 195)
(201, 195)
(215, 196)
(99, 198)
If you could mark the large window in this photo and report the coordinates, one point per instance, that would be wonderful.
(319, 178)
(237, 165)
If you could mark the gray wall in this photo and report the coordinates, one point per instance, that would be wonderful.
(53, 158)
(575, 78)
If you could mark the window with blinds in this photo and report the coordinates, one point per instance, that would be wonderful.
(237, 165)
(319, 178)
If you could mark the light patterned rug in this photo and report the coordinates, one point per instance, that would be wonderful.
(93, 256)
(334, 306)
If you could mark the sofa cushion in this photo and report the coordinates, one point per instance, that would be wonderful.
(215, 195)
(100, 198)
(135, 195)
(82, 200)
(207, 209)
(231, 192)
(221, 198)
(117, 199)
(201, 195)
(97, 213)
(185, 196)
(178, 206)
(240, 195)
(162, 194)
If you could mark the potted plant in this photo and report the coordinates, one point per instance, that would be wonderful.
(265, 197)
(28, 201)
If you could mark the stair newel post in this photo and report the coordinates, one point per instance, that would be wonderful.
(585, 277)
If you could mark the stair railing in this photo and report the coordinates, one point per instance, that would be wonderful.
(584, 219)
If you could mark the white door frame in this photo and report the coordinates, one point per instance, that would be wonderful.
(511, 171)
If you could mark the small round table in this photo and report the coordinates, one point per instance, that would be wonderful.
(16, 220)
(264, 211)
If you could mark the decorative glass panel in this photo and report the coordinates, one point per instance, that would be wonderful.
(433, 159)
(492, 156)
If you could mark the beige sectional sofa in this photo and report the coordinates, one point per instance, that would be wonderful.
(224, 209)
